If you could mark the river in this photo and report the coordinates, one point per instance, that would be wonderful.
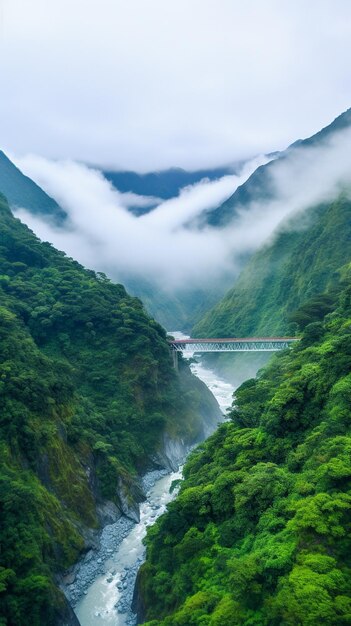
(106, 576)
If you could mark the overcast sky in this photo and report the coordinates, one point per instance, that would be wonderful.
(148, 84)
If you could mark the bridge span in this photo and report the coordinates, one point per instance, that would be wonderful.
(231, 344)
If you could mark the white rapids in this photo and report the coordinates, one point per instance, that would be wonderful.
(115, 586)
(221, 390)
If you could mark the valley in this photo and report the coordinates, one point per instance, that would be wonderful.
(97, 423)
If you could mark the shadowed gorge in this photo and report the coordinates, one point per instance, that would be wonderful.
(90, 401)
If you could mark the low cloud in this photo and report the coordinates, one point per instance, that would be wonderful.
(101, 232)
(161, 247)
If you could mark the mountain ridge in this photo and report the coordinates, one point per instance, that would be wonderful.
(259, 187)
(22, 192)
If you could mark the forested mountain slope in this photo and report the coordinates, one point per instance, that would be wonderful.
(23, 192)
(260, 533)
(87, 395)
(297, 264)
(172, 310)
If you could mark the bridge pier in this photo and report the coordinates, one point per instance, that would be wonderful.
(175, 360)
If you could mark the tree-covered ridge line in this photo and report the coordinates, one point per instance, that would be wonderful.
(87, 390)
(21, 191)
(260, 532)
(260, 187)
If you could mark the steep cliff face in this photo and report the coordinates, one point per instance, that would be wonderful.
(87, 396)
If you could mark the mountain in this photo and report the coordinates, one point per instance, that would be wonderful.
(260, 531)
(260, 185)
(171, 310)
(23, 192)
(165, 184)
(300, 262)
(250, 306)
(89, 400)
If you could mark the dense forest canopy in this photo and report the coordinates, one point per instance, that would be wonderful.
(260, 532)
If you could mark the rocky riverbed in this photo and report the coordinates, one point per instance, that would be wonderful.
(102, 585)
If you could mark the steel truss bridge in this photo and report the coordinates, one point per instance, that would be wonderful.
(232, 344)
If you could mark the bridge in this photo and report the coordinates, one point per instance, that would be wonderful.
(232, 344)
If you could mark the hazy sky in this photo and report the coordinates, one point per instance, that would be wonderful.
(148, 84)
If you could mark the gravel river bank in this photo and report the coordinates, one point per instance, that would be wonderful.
(102, 592)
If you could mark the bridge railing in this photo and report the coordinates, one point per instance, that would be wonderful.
(235, 344)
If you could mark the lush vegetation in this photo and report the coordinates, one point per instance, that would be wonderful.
(297, 264)
(260, 532)
(87, 389)
(301, 262)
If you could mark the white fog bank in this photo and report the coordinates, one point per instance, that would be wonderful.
(160, 246)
